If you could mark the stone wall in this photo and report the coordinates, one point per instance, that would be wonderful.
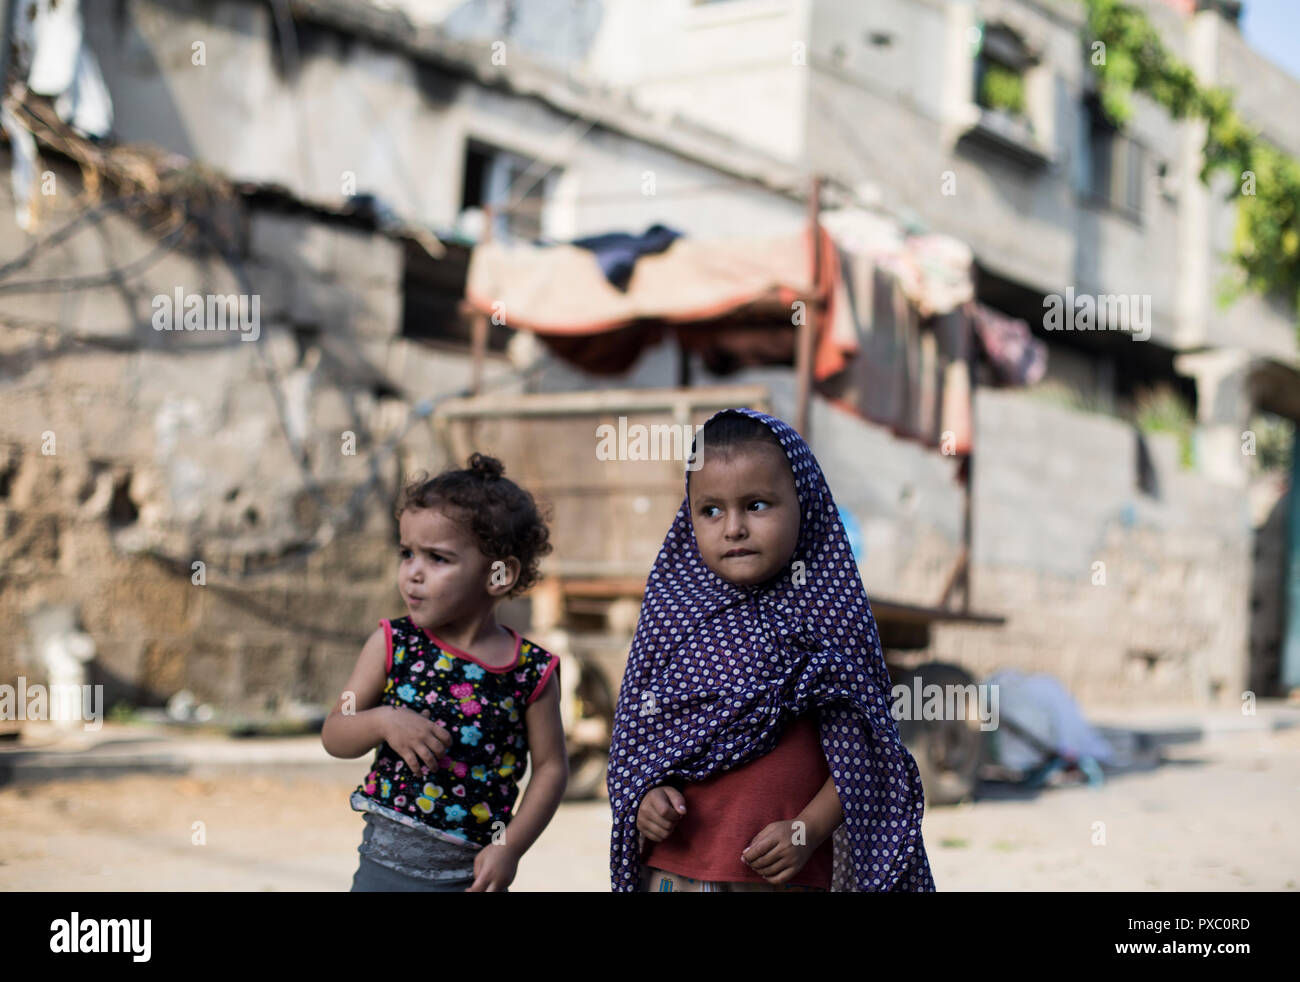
(129, 454)
(1166, 617)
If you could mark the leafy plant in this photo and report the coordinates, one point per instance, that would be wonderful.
(122, 712)
(1057, 393)
(1265, 181)
(1002, 88)
(1274, 436)
(1161, 409)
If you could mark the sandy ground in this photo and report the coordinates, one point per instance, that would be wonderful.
(1218, 816)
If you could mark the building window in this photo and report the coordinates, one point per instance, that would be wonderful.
(1114, 161)
(1006, 109)
(1000, 67)
(517, 189)
(433, 292)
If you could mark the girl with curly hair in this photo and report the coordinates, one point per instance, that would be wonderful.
(453, 702)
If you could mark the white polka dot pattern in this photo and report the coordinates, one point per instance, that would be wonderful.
(717, 670)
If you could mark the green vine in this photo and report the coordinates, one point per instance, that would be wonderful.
(1265, 181)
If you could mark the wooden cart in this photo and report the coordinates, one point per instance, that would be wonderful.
(608, 520)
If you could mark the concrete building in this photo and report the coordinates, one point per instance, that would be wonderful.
(707, 118)
(887, 98)
(315, 184)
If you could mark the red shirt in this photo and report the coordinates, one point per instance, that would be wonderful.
(725, 812)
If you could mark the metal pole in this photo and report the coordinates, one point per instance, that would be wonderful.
(479, 327)
(804, 348)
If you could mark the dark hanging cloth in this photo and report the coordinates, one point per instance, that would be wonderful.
(617, 252)
(1017, 357)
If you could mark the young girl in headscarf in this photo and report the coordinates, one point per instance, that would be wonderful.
(753, 744)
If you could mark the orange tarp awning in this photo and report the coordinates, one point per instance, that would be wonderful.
(560, 291)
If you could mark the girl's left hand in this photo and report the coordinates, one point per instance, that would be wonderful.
(494, 869)
(774, 853)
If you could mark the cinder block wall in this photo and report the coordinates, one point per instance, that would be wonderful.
(1055, 491)
(1166, 618)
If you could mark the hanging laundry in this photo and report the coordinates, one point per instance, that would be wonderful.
(617, 252)
(1017, 357)
(732, 301)
(933, 270)
(881, 381)
(942, 280)
(956, 423)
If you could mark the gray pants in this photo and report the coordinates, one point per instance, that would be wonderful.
(387, 848)
(371, 877)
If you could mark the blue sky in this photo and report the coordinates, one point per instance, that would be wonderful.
(1272, 27)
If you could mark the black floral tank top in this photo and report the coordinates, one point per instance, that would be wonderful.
(472, 793)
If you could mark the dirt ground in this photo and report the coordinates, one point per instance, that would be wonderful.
(1218, 816)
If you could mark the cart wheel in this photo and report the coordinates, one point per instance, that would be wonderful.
(948, 752)
(588, 738)
(586, 776)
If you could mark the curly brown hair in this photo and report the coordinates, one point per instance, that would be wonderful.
(502, 516)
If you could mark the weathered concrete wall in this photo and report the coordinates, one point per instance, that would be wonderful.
(1268, 501)
(736, 67)
(889, 113)
(1032, 225)
(128, 457)
(1166, 617)
(1055, 492)
(367, 114)
(176, 446)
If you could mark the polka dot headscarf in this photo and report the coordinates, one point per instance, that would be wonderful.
(759, 657)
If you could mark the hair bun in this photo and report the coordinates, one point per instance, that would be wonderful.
(489, 467)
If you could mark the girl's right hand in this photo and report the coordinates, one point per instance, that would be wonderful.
(417, 739)
(661, 809)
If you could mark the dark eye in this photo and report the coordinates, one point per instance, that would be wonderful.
(758, 505)
(404, 553)
(707, 510)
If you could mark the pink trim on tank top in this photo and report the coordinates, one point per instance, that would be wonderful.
(555, 663)
(388, 640)
(453, 650)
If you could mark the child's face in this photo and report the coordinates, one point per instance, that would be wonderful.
(746, 512)
(443, 575)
